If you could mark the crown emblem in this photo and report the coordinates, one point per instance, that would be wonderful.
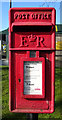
(32, 38)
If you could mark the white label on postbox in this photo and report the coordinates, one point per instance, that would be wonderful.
(33, 78)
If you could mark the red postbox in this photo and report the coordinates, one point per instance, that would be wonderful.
(31, 60)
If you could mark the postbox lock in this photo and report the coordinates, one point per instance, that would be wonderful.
(19, 80)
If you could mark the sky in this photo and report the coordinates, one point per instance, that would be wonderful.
(4, 8)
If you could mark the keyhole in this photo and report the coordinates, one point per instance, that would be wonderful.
(19, 80)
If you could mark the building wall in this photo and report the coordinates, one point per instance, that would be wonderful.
(58, 55)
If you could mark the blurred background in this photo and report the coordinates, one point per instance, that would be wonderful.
(5, 5)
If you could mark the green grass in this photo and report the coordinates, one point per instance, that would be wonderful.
(7, 115)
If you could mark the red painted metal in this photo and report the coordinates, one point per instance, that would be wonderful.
(31, 29)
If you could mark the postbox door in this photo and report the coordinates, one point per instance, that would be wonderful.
(30, 82)
(30, 78)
